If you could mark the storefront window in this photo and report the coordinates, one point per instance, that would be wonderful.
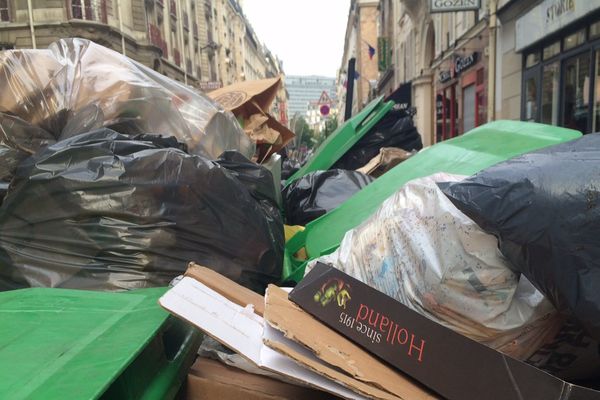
(574, 40)
(531, 99)
(596, 119)
(576, 97)
(595, 30)
(532, 59)
(551, 50)
(550, 79)
(469, 108)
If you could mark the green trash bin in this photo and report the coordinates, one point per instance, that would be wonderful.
(74, 344)
(346, 136)
(467, 154)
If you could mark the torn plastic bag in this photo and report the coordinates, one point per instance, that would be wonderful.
(319, 192)
(102, 211)
(421, 250)
(395, 129)
(544, 207)
(76, 86)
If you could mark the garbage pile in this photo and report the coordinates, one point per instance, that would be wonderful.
(449, 270)
(120, 176)
(465, 270)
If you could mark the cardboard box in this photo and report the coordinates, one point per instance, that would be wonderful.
(344, 361)
(454, 366)
(250, 101)
(226, 311)
(209, 379)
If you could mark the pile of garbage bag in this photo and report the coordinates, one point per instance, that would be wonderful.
(106, 212)
(421, 250)
(76, 86)
(396, 130)
(319, 192)
(543, 207)
(116, 177)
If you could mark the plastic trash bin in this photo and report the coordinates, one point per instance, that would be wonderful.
(342, 140)
(74, 344)
(466, 154)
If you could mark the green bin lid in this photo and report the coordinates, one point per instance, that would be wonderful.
(343, 138)
(75, 344)
(479, 148)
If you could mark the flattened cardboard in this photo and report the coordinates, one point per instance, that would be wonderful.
(454, 366)
(238, 328)
(335, 349)
(258, 94)
(227, 288)
(275, 340)
(210, 379)
(387, 159)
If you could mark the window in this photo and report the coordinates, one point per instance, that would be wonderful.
(550, 78)
(4, 11)
(532, 59)
(574, 40)
(531, 99)
(595, 30)
(576, 96)
(596, 116)
(551, 50)
(90, 10)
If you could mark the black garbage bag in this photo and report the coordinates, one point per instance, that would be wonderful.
(544, 207)
(102, 211)
(288, 168)
(395, 129)
(18, 140)
(319, 192)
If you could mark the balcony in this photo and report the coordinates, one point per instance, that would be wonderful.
(157, 40)
(173, 8)
(177, 57)
(186, 23)
(195, 29)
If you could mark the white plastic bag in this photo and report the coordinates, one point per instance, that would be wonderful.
(421, 250)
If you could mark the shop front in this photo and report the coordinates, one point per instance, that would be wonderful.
(560, 45)
(460, 87)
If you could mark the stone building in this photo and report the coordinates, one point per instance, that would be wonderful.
(205, 43)
(361, 35)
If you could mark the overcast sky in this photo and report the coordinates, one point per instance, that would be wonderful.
(307, 35)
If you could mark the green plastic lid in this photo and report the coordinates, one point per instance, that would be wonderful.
(467, 154)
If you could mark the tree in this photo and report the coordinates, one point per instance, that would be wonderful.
(303, 132)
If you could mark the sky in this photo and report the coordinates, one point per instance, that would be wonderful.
(307, 35)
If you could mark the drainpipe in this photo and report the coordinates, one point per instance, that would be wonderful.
(493, 25)
(120, 11)
(181, 41)
(30, 10)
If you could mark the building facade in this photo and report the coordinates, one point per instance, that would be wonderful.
(359, 44)
(549, 62)
(204, 43)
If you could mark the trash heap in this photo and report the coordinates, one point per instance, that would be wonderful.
(466, 270)
(458, 285)
(120, 176)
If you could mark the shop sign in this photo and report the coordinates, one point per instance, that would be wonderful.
(462, 63)
(441, 6)
(445, 75)
(383, 54)
(549, 17)
(210, 85)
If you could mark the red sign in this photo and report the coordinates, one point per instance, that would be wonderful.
(324, 109)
